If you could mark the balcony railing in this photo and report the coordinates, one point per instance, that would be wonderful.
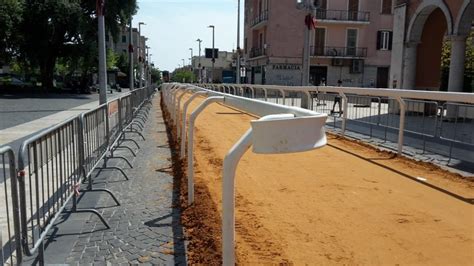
(263, 16)
(256, 52)
(331, 51)
(342, 15)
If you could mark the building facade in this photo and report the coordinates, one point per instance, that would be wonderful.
(120, 46)
(224, 67)
(421, 27)
(351, 43)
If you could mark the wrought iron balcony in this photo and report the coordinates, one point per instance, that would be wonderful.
(342, 16)
(262, 17)
(340, 52)
(256, 52)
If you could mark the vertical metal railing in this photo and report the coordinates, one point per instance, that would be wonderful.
(51, 165)
(10, 253)
(413, 122)
(49, 173)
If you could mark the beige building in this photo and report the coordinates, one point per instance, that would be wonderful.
(352, 42)
(224, 64)
(421, 28)
(122, 43)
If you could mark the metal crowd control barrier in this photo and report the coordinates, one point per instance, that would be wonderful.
(51, 165)
(49, 177)
(10, 253)
(437, 122)
(281, 129)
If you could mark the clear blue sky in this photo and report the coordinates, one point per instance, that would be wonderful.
(173, 26)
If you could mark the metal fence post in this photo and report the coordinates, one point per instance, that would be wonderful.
(183, 126)
(344, 112)
(192, 120)
(402, 104)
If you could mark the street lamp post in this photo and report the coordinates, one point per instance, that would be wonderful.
(191, 64)
(308, 6)
(213, 55)
(199, 61)
(238, 44)
(140, 52)
(102, 53)
(130, 55)
(191, 59)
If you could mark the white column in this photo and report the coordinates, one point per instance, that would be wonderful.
(456, 67)
(409, 66)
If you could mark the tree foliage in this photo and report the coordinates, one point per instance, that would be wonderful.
(468, 63)
(39, 33)
(155, 75)
(10, 17)
(183, 75)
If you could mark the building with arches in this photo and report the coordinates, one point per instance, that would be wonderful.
(420, 29)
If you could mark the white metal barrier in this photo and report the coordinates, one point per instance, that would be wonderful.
(401, 104)
(281, 129)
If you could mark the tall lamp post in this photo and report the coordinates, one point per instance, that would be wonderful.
(130, 55)
(199, 61)
(191, 64)
(213, 55)
(238, 44)
(140, 53)
(100, 5)
(308, 6)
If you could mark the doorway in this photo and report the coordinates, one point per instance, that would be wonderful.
(318, 75)
(382, 77)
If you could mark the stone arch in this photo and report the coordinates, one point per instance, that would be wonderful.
(464, 19)
(417, 22)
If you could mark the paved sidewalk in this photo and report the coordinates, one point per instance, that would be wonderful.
(22, 130)
(146, 228)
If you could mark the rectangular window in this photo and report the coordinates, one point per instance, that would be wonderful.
(319, 41)
(386, 6)
(384, 40)
(351, 42)
(124, 38)
(245, 45)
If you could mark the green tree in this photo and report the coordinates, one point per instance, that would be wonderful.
(67, 29)
(155, 75)
(112, 59)
(10, 17)
(183, 75)
(468, 65)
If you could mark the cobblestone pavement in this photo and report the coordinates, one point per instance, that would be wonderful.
(145, 228)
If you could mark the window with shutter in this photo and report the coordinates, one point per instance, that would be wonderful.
(384, 40)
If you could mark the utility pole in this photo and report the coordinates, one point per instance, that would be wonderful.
(308, 6)
(199, 61)
(140, 53)
(213, 55)
(130, 54)
(238, 44)
(102, 53)
(191, 65)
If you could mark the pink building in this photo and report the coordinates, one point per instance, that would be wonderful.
(352, 42)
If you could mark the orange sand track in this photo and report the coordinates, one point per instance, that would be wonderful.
(343, 204)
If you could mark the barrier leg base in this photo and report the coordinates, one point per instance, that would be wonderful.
(123, 158)
(133, 131)
(96, 213)
(102, 190)
(114, 168)
(127, 148)
(132, 140)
